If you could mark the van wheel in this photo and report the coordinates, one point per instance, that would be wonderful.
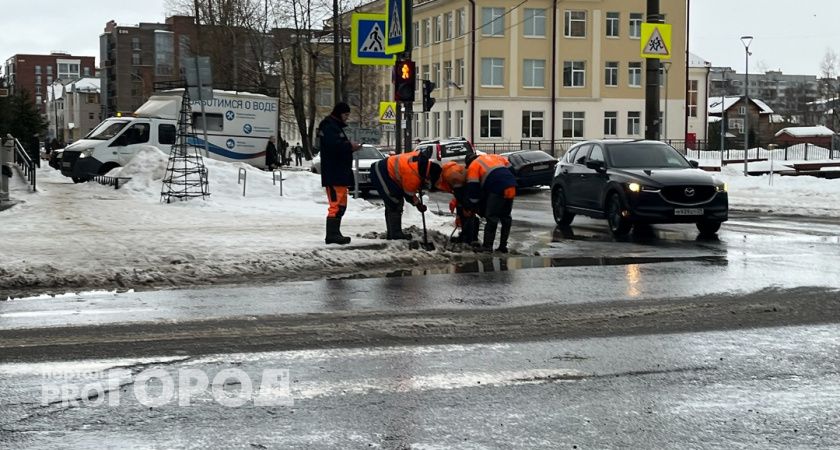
(79, 179)
(107, 167)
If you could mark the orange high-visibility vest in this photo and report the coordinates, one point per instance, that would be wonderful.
(404, 170)
(483, 165)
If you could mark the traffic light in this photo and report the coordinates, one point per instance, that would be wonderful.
(404, 81)
(428, 101)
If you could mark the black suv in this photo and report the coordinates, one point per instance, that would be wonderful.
(629, 182)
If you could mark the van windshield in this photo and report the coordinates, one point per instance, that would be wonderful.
(107, 130)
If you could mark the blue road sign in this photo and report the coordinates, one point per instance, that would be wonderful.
(367, 40)
(395, 31)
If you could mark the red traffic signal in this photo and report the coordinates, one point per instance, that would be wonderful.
(405, 74)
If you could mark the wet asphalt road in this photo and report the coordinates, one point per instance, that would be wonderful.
(662, 341)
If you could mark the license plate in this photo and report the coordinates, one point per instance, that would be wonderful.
(688, 212)
(539, 167)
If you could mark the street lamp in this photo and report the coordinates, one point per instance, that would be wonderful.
(746, 40)
(449, 83)
(666, 65)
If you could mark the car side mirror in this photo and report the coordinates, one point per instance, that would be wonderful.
(694, 163)
(597, 166)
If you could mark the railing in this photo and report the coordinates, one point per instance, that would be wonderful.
(26, 164)
(798, 152)
(109, 181)
(497, 147)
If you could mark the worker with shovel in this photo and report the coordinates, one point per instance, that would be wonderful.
(491, 188)
(399, 179)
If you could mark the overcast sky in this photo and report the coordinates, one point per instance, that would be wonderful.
(791, 38)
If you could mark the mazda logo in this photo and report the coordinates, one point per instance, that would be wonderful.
(689, 192)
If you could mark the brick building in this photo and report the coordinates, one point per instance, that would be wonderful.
(35, 73)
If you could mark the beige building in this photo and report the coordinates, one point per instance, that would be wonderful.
(542, 69)
(73, 108)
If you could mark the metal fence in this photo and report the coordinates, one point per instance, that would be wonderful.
(26, 164)
(798, 152)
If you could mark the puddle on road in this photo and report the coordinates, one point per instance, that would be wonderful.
(503, 264)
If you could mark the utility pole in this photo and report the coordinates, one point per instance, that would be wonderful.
(652, 80)
(336, 59)
(409, 37)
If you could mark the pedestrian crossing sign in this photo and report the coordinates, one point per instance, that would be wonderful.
(367, 41)
(387, 112)
(395, 26)
(656, 40)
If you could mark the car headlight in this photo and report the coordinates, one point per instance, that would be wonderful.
(85, 153)
(634, 187)
(722, 188)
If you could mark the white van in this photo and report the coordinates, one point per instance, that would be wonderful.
(238, 126)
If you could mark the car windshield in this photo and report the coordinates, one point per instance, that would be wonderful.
(455, 149)
(645, 155)
(106, 130)
(368, 153)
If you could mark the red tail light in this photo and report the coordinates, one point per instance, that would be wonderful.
(438, 152)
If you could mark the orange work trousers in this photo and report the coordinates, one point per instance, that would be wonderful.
(337, 196)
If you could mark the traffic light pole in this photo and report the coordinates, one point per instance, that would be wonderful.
(409, 44)
(652, 122)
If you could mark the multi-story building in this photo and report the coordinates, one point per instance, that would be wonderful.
(73, 109)
(697, 95)
(542, 69)
(788, 95)
(34, 73)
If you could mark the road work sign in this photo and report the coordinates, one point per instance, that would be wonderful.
(367, 41)
(656, 40)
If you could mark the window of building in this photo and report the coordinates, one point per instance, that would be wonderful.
(494, 21)
(135, 59)
(37, 70)
(436, 124)
(610, 123)
(634, 73)
(447, 127)
(447, 72)
(534, 24)
(324, 97)
(37, 79)
(574, 73)
(416, 27)
(86, 71)
(164, 53)
(575, 25)
(634, 123)
(532, 124)
(448, 25)
(90, 117)
(459, 123)
(424, 72)
(425, 125)
(635, 25)
(438, 28)
(492, 72)
(462, 21)
(612, 24)
(68, 70)
(49, 79)
(491, 123)
(91, 98)
(735, 124)
(436, 75)
(135, 43)
(534, 73)
(427, 32)
(459, 71)
(573, 124)
(49, 70)
(37, 88)
(611, 73)
(742, 110)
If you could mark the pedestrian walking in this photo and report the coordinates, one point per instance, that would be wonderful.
(491, 188)
(336, 168)
(298, 155)
(271, 161)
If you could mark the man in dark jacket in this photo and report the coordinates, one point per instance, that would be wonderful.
(336, 168)
(271, 162)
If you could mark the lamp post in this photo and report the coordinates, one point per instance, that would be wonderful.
(666, 65)
(449, 83)
(746, 40)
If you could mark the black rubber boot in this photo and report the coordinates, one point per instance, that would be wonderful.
(503, 239)
(394, 221)
(469, 230)
(334, 232)
(489, 235)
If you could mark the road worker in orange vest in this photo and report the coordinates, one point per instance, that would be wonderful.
(491, 188)
(399, 178)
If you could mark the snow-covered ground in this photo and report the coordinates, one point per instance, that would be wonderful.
(80, 236)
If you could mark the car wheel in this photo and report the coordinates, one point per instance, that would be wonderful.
(708, 227)
(80, 179)
(562, 216)
(619, 225)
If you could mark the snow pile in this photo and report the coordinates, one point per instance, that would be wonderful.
(793, 195)
(82, 236)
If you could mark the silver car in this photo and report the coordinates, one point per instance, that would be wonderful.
(365, 156)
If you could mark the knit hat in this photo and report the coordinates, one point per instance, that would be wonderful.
(434, 173)
(340, 108)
